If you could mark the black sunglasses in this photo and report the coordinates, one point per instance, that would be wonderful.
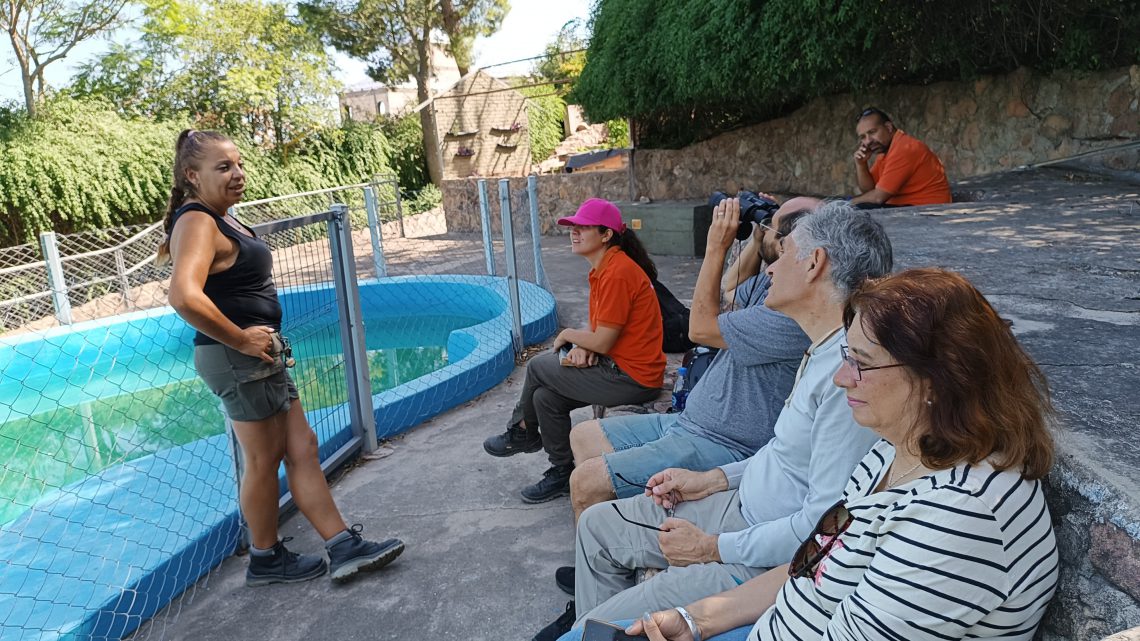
(646, 526)
(834, 522)
(672, 499)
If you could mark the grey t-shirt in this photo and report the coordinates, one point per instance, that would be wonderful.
(738, 399)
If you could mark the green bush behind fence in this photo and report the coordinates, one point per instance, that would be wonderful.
(81, 166)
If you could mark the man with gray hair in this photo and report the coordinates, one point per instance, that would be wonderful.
(737, 520)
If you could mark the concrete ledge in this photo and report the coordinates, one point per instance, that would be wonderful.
(1056, 252)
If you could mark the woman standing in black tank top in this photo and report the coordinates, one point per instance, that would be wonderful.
(222, 285)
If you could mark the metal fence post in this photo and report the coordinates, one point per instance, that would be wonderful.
(55, 277)
(512, 267)
(124, 284)
(375, 231)
(352, 328)
(485, 215)
(536, 232)
(399, 212)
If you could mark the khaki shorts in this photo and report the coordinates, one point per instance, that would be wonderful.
(250, 388)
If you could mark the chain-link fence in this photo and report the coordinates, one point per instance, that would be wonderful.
(74, 277)
(117, 476)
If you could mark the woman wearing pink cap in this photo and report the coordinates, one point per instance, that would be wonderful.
(617, 360)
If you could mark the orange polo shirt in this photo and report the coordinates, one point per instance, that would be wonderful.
(622, 297)
(911, 172)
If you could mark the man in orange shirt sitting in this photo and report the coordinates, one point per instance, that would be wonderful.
(906, 173)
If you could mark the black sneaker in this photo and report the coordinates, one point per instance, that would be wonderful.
(283, 566)
(560, 626)
(564, 577)
(555, 483)
(354, 554)
(516, 440)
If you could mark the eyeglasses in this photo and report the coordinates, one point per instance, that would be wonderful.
(672, 497)
(834, 522)
(859, 369)
(644, 525)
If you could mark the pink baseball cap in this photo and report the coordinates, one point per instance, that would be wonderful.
(596, 211)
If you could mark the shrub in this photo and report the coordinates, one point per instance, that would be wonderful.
(405, 140)
(546, 112)
(688, 70)
(428, 198)
(81, 166)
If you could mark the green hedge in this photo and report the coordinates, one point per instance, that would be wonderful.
(545, 113)
(687, 70)
(406, 139)
(81, 166)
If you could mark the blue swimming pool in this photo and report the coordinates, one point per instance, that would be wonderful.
(117, 487)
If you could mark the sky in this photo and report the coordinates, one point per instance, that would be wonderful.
(528, 28)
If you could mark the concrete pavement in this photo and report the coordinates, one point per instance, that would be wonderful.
(1057, 252)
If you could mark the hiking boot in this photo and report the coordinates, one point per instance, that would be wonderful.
(559, 627)
(354, 554)
(283, 566)
(516, 440)
(555, 483)
(564, 578)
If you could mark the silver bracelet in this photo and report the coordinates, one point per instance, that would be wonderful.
(693, 629)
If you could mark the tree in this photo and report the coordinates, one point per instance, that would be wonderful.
(565, 56)
(395, 38)
(463, 20)
(245, 66)
(45, 31)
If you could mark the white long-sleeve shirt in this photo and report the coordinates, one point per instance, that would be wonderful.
(786, 486)
(966, 552)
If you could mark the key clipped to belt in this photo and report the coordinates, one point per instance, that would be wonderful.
(283, 349)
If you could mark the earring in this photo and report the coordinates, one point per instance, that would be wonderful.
(929, 402)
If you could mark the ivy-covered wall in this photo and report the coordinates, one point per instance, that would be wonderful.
(685, 71)
(994, 123)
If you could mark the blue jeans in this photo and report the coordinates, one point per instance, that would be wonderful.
(739, 634)
(645, 444)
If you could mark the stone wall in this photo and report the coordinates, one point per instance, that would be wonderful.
(482, 125)
(558, 195)
(1098, 538)
(980, 127)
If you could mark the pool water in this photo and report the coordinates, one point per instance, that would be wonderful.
(70, 424)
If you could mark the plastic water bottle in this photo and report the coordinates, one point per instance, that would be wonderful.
(679, 391)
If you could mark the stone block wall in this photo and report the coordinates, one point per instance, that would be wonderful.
(485, 116)
(980, 127)
(558, 195)
(1098, 539)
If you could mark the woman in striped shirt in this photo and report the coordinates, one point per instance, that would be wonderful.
(942, 532)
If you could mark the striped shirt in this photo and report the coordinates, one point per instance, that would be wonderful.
(966, 552)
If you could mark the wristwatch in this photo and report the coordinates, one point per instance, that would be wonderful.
(693, 629)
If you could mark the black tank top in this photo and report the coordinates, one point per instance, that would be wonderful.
(244, 293)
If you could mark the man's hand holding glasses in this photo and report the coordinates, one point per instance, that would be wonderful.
(674, 485)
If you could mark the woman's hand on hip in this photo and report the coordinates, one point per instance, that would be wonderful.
(257, 341)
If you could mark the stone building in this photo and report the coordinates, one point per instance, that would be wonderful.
(483, 128)
(364, 102)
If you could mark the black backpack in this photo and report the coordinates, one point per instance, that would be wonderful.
(674, 321)
(695, 362)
